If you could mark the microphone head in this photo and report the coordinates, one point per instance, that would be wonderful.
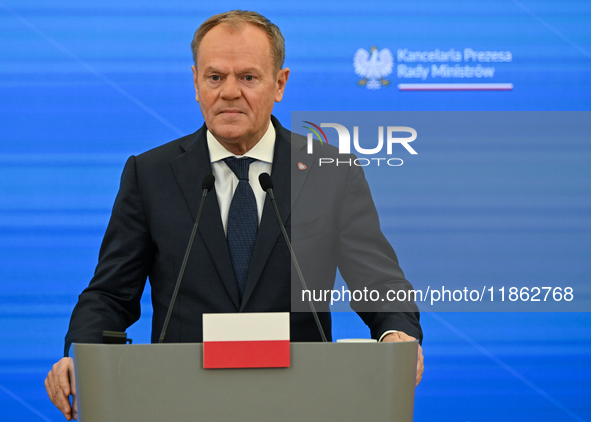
(265, 181)
(208, 182)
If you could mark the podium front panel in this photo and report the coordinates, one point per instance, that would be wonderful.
(326, 382)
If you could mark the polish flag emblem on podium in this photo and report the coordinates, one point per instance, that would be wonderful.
(246, 340)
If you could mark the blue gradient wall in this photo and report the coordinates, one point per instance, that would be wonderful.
(85, 84)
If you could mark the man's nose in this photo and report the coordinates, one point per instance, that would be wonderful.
(231, 89)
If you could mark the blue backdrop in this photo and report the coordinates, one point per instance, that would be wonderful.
(84, 84)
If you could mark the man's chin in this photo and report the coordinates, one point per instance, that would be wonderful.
(231, 134)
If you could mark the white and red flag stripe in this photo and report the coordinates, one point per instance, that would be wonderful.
(246, 340)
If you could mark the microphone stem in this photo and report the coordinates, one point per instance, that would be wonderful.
(182, 271)
(295, 262)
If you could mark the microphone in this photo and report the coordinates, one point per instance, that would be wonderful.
(267, 186)
(206, 185)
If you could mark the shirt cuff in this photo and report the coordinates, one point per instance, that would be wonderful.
(386, 333)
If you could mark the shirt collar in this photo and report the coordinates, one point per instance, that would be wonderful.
(262, 151)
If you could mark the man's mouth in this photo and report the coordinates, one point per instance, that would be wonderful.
(230, 111)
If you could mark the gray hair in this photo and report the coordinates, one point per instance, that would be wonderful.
(236, 19)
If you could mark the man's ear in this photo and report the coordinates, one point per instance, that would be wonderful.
(194, 69)
(282, 77)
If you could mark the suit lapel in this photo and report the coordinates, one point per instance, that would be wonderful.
(189, 169)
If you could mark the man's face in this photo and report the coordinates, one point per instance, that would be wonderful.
(237, 85)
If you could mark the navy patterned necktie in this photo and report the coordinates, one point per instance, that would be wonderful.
(243, 221)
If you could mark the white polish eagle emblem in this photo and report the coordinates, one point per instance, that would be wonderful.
(373, 66)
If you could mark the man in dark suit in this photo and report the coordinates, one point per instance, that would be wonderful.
(239, 261)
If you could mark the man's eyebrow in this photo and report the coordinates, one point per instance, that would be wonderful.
(252, 69)
(211, 69)
(249, 70)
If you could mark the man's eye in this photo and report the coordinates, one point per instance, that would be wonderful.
(215, 78)
(249, 78)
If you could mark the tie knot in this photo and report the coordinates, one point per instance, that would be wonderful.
(240, 166)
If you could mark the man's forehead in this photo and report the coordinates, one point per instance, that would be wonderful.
(248, 46)
(243, 32)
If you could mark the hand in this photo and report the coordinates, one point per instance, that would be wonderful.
(60, 384)
(400, 336)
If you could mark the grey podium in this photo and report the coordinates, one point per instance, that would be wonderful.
(325, 382)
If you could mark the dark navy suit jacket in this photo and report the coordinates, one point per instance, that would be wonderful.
(329, 212)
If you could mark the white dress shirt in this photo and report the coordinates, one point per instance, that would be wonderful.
(225, 179)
